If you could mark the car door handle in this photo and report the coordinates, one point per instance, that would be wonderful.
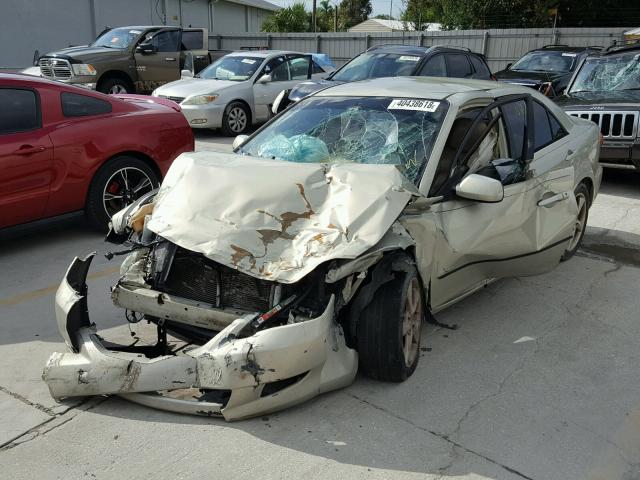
(170, 59)
(29, 150)
(552, 199)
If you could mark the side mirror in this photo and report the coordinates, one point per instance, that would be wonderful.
(264, 79)
(480, 188)
(508, 66)
(238, 141)
(186, 73)
(145, 49)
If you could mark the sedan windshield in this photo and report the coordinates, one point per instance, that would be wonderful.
(396, 131)
(546, 62)
(374, 65)
(117, 38)
(235, 68)
(604, 74)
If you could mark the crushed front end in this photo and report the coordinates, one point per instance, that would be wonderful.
(254, 346)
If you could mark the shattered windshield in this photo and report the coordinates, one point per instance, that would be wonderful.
(396, 131)
(234, 68)
(374, 65)
(118, 38)
(604, 74)
(546, 62)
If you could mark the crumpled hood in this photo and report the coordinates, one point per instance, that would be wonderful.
(612, 99)
(194, 86)
(84, 52)
(276, 220)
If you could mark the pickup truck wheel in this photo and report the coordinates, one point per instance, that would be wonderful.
(114, 85)
(115, 185)
(583, 200)
(235, 120)
(389, 329)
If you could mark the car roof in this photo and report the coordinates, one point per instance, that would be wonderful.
(435, 88)
(565, 48)
(416, 49)
(25, 79)
(261, 53)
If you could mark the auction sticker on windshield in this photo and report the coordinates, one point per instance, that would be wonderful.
(408, 58)
(413, 104)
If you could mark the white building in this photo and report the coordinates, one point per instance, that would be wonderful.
(47, 25)
(380, 25)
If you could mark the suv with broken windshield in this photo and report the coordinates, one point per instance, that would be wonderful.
(396, 61)
(606, 90)
(547, 69)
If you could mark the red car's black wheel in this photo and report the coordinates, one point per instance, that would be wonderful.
(117, 184)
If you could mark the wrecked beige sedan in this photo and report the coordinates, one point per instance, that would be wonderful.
(326, 240)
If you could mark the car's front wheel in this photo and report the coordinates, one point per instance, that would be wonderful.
(117, 184)
(115, 85)
(236, 119)
(583, 199)
(389, 329)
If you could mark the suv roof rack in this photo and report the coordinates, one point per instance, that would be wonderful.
(383, 45)
(596, 47)
(552, 46)
(457, 47)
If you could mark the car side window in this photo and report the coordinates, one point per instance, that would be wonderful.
(557, 130)
(458, 65)
(191, 40)
(481, 69)
(298, 68)
(166, 41)
(515, 117)
(20, 110)
(541, 127)
(74, 105)
(435, 67)
(278, 68)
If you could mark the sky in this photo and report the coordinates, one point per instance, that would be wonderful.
(379, 6)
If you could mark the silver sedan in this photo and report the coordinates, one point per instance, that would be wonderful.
(238, 89)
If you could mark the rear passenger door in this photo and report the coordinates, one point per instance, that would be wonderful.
(26, 157)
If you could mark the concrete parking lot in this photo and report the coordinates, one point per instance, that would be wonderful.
(540, 380)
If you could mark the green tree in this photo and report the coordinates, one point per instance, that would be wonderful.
(353, 12)
(290, 19)
(384, 16)
(324, 16)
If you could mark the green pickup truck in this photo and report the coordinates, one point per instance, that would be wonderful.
(131, 59)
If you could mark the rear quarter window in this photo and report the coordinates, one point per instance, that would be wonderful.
(458, 65)
(19, 110)
(76, 105)
(482, 71)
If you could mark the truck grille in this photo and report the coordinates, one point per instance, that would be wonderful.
(55, 68)
(613, 125)
(197, 278)
(173, 99)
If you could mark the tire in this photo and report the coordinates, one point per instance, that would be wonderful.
(118, 183)
(583, 198)
(116, 85)
(380, 333)
(236, 119)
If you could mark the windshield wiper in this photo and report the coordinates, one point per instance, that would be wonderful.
(627, 89)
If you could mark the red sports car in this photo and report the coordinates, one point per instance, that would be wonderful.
(64, 148)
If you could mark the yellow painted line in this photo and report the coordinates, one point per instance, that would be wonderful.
(42, 292)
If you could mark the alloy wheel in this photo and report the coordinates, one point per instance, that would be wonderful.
(412, 322)
(581, 220)
(117, 89)
(237, 119)
(123, 188)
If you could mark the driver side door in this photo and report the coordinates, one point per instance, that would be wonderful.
(526, 232)
(162, 63)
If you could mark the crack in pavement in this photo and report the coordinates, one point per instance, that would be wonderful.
(25, 400)
(441, 436)
(57, 421)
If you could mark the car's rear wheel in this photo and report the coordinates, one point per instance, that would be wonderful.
(115, 85)
(117, 184)
(583, 199)
(389, 329)
(236, 119)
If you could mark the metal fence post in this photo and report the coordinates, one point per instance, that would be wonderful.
(269, 42)
(219, 39)
(367, 41)
(421, 39)
(485, 41)
(318, 38)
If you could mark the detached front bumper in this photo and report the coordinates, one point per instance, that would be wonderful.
(271, 370)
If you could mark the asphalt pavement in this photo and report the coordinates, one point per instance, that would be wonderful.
(540, 380)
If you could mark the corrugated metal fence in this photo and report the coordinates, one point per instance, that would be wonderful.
(499, 46)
